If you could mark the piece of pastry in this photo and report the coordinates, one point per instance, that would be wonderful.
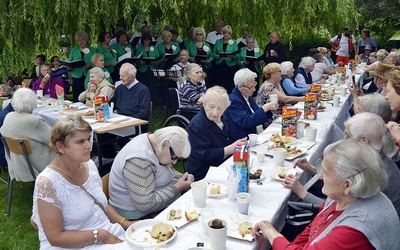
(191, 215)
(282, 173)
(162, 232)
(215, 189)
(174, 214)
(245, 228)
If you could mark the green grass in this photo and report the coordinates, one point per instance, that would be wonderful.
(15, 231)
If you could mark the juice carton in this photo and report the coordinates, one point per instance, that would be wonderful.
(316, 88)
(310, 106)
(101, 108)
(240, 163)
(289, 121)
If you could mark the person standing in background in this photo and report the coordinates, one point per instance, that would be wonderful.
(274, 51)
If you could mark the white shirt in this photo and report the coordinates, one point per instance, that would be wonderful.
(343, 45)
(212, 37)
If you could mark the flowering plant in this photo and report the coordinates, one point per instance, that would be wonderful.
(230, 42)
(86, 51)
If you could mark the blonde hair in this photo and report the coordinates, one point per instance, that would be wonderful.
(96, 57)
(226, 28)
(271, 68)
(165, 34)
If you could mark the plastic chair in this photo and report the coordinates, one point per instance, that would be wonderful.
(20, 146)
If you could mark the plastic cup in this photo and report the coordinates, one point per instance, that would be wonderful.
(260, 155)
(343, 91)
(233, 186)
(273, 98)
(253, 140)
(279, 155)
(206, 214)
(330, 89)
(199, 193)
(39, 93)
(217, 236)
(243, 201)
(311, 134)
(300, 129)
(60, 110)
(336, 101)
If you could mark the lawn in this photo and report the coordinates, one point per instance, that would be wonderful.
(15, 231)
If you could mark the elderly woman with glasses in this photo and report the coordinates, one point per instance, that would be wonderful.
(356, 215)
(244, 115)
(142, 180)
(210, 133)
(272, 85)
(199, 50)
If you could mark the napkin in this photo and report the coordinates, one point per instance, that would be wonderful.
(59, 90)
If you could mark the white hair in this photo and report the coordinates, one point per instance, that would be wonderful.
(242, 76)
(24, 100)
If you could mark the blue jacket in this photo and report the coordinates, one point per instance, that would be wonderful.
(290, 87)
(242, 121)
(207, 141)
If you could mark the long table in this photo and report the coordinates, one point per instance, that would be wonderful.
(269, 200)
(123, 129)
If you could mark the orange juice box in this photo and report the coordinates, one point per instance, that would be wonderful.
(289, 121)
(240, 163)
(310, 106)
(101, 108)
(316, 88)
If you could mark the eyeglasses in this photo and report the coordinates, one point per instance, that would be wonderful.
(278, 71)
(173, 155)
(252, 87)
(199, 34)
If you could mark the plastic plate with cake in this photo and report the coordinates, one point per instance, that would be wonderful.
(281, 172)
(179, 216)
(242, 228)
(150, 233)
(217, 190)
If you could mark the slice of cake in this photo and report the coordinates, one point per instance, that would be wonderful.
(215, 189)
(162, 232)
(245, 228)
(174, 214)
(191, 215)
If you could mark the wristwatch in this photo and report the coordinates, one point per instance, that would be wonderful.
(95, 234)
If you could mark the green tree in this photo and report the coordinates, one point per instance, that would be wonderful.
(31, 27)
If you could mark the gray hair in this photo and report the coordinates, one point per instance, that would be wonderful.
(317, 57)
(24, 100)
(131, 69)
(97, 71)
(177, 137)
(242, 76)
(286, 66)
(360, 163)
(306, 62)
(367, 125)
(216, 93)
(190, 70)
(83, 34)
(377, 104)
(249, 37)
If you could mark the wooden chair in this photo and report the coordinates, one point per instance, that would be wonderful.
(20, 146)
(105, 180)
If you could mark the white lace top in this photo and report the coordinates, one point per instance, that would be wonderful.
(78, 208)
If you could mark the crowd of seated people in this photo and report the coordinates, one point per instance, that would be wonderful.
(231, 104)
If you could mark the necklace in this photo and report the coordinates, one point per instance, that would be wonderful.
(64, 170)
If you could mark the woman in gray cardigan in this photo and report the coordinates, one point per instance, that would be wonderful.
(23, 124)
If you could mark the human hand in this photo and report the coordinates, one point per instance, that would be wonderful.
(231, 56)
(394, 130)
(113, 64)
(184, 182)
(270, 106)
(107, 238)
(293, 183)
(92, 87)
(245, 62)
(353, 90)
(87, 66)
(303, 164)
(266, 229)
